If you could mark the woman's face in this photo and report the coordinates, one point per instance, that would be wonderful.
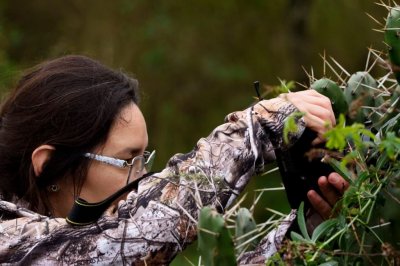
(127, 139)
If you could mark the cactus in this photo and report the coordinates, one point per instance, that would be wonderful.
(391, 111)
(359, 92)
(245, 224)
(331, 90)
(215, 243)
(392, 35)
(374, 162)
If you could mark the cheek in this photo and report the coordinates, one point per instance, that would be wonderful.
(102, 181)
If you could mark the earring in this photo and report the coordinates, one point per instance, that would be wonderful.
(53, 188)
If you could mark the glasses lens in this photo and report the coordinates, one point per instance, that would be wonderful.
(149, 158)
(136, 169)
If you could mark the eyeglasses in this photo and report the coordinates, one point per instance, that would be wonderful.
(136, 165)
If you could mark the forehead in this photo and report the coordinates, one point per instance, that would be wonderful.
(128, 133)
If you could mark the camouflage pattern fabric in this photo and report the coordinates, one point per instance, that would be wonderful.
(156, 222)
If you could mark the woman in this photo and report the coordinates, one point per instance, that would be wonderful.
(72, 128)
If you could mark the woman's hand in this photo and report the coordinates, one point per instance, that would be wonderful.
(332, 189)
(317, 108)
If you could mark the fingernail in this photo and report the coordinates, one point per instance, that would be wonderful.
(333, 178)
(322, 180)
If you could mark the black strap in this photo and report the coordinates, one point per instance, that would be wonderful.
(84, 213)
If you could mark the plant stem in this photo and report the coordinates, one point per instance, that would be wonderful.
(369, 202)
(369, 216)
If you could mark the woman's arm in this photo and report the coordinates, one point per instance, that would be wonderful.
(159, 220)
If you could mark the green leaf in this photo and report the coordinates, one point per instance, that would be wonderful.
(286, 87)
(349, 157)
(383, 160)
(350, 198)
(290, 125)
(322, 229)
(338, 136)
(297, 237)
(340, 169)
(390, 145)
(361, 179)
(336, 139)
(302, 221)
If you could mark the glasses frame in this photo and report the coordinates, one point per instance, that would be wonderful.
(147, 159)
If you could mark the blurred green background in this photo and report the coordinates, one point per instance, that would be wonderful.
(195, 60)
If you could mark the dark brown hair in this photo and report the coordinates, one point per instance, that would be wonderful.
(69, 103)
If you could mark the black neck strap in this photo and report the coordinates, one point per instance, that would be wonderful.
(84, 213)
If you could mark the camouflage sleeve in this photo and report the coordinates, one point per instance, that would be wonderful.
(158, 220)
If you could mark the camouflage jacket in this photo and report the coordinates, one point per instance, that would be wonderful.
(158, 220)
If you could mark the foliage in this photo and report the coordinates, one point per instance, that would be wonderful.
(363, 228)
(338, 137)
(180, 55)
(355, 234)
(359, 234)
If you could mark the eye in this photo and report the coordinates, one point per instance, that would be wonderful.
(132, 156)
(130, 160)
(146, 155)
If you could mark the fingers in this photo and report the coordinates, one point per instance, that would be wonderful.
(325, 114)
(332, 189)
(316, 123)
(318, 140)
(310, 96)
(318, 109)
(340, 184)
(329, 192)
(319, 204)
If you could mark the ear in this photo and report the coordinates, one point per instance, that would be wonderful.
(40, 156)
